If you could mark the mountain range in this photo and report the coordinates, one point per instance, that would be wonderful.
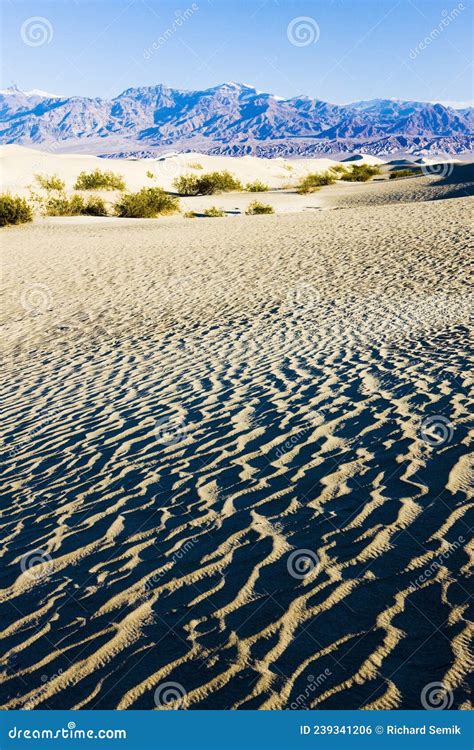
(231, 118)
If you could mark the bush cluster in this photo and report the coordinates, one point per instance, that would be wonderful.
(97, 180)
(206, 184)
(361, 173)
(147, 203)
(214, 212)
(404, 173)
(50, 183)
(256, 208)
(14, 210)
(61, 205)
(256, 187)
(312, 182)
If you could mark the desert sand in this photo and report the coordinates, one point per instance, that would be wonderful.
(238, 452)
(19, 165)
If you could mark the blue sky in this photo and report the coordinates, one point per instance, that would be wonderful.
(343, 50)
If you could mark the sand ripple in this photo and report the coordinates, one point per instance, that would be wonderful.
(188, 405)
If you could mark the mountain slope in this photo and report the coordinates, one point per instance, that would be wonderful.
(231, 118)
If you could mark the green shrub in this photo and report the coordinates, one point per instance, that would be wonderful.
(95, 206)
(190, 214)
(50, 183)
(256, 208)
(150, 175)
(404, 173)
(146, 204)
(213, 211)
(14, 210)
(206, 184)
(61, 205)
(338, 169)
(256, 187)
(98, 180)
(312, 182)
(195, 165)
(361, 173)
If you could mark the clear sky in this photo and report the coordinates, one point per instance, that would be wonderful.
(344, 50)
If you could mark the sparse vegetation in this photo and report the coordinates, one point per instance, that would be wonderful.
(255, 208)
(95, 206)
(339, 169)
(404, 173)
(361, 173)
(190, 214)
(146, 204)
(52, 182)
(312, 182)
(288, 167)
(14, 210)
(207, 184)
(61, 205)
(214, 212)
(150, 175)
(98, 180)
(256, 187)
(195, 165)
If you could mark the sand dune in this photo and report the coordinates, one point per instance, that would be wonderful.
(218, 453)
(20, 164)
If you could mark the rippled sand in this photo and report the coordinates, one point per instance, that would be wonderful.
(237, 451)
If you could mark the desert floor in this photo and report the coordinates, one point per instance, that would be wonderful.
(237, 456)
